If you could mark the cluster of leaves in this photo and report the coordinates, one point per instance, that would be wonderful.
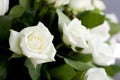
(68, 66)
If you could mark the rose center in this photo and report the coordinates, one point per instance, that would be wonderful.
(35, 41)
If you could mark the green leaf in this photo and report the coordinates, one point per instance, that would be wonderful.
(78, 57)
(112, 70)
(3, 67)
(91, 19)
(37, 4)
(5, 25)
(78, 65)
(25, 3)
(28, 17)
(79, 75)
(45, 73)
(33, 72)
(115, 28)
(17, 11)
(62, 72)
(62, 19)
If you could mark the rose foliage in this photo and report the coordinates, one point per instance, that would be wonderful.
(57, 40)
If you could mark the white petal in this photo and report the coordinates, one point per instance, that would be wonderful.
(61, 2)
(80, 5)
(104, 55)
(30, 53)
(102, 31)
(67, 37)
(98, 4)
(41, 28)
(90, 49)
(4, 5)
(97, 74)
(51, 53)
(75, 34)
(50, 57)
(113, 18)
(14, 41)
(117, 51)
(93, 43)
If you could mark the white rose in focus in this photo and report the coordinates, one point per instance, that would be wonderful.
(80, 5)
(4, 5)
(58, 2)
(97, 74)
(75, 34)
(33, 42)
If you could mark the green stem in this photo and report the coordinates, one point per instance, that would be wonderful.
(59, 45)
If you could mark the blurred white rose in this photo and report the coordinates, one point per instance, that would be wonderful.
(58, 2)
(80, 5)
(98, 4)
(97, 74)
(75, 34)
(4, 5)
(101, 31)
(103, 54)
(91, 44)
(98, 33)
(33, 42)
(112, 17)
(115, 41)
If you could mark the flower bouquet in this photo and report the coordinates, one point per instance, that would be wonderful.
(57, 40)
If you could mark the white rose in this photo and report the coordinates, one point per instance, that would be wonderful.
(4, 5)
(97, 34)
(75, 34)
(97, 74)
(80, 5)
(33, 42)
(112, 17)
(93, 41)
(103, 54)
(101, 31)
(98, 4)
(115, 42)
(58, 2)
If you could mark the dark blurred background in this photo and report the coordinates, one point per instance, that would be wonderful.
(113, 6)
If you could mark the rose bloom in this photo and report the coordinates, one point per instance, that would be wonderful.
(101, 31)
(80, 5)
(97, 34)
(4, 5)
(99, 4)
(115, 41)
(33, 42)
(103, 53)
(75, 34)
(112, 17)
(97, 74)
